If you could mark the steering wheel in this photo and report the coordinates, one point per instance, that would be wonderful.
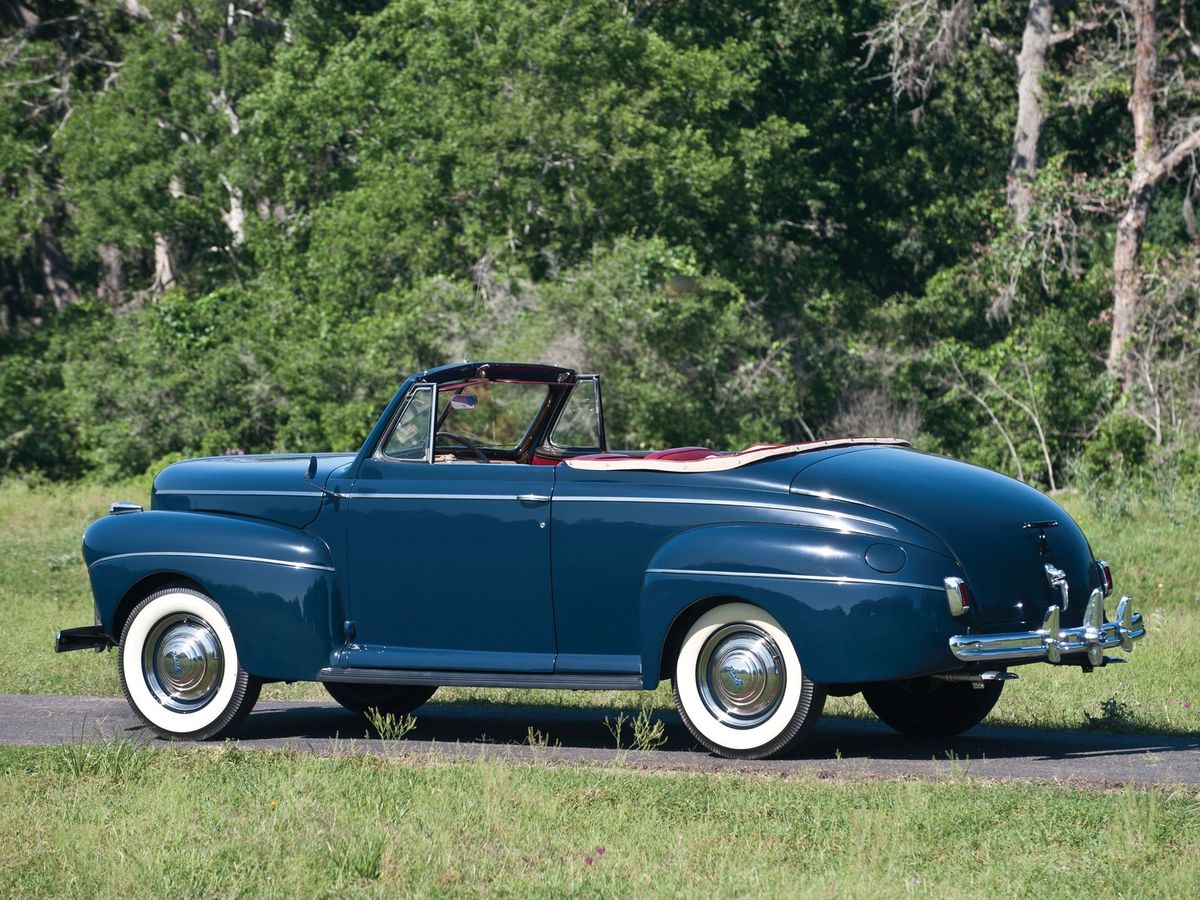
(469, 444)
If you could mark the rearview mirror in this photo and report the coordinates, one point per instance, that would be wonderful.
(463, 401)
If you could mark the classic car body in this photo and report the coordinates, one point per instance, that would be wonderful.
(528, 555)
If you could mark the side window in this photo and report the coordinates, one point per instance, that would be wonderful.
(578, 428)
(410, 438)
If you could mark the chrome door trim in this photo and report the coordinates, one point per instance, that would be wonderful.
(437, 497)
(214, 493)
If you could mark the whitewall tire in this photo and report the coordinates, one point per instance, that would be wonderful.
(179, 666)
(739, 685)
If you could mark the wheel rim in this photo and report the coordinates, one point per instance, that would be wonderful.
(741, 675)
(183, 662)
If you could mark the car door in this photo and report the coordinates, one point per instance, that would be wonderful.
(449, 561)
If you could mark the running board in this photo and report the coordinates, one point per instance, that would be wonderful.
(565, 681)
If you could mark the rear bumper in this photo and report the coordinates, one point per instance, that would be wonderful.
(85, 638)
(1051, 643)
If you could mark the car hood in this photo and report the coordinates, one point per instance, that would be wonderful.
(980, 515)
(269, 487)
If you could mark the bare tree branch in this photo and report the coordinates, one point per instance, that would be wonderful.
(1031, 412)
(1061, 37)
(991, 414)
(920, 37)
(1178, 154)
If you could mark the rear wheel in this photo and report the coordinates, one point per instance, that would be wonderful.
(179, 667)
(739, 685)
(931, 706)
(396, 699)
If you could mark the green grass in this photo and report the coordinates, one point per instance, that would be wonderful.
(222, 821)
(1151, 543)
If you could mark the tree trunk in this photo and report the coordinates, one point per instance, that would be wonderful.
(1126, 280)
(1140, 197)
(56, 271)
(112, 268)
(1031, 66)
(164, 264)
(235, 218)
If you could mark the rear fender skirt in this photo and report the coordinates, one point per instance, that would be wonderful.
(849, 619)
(276, 585)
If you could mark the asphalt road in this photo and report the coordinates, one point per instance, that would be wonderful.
(837, 748)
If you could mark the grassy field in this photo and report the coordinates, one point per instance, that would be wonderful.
(1151, 545)
(123, 820)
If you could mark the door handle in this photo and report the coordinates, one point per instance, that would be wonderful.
(533, 498)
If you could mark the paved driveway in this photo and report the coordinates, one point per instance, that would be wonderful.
(838, 746)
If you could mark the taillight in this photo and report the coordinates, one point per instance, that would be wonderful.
(1106, 579)
(957, 595)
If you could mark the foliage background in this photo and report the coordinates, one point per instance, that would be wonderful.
(241, 225)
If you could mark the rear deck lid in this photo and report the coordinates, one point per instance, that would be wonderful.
(1002, 532)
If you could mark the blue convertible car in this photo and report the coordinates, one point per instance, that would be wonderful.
(484, 535)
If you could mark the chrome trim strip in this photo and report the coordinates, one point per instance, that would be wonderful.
(825, 495)
(751, 505)
(575, 681)
(825, 579)
(435, 496)
(316, 494)
(257, 559)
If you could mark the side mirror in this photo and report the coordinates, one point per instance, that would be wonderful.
(312, 469)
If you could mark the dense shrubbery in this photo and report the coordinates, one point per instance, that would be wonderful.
(246, 224)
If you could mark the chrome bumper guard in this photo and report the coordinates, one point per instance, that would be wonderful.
(1052, 642)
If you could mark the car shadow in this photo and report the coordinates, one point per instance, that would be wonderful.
(592, 728)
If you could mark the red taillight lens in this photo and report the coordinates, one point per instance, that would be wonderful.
(1106, 576)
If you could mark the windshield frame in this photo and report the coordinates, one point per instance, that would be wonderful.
(559, 381)
(442, 415)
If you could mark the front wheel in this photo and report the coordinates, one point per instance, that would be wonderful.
(739, 685)
(179, 667)
(932, 706)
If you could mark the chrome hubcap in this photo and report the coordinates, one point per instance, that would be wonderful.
(182, 661)
(741, 675)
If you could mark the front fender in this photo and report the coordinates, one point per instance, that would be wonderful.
(850, 621)
(276, 585)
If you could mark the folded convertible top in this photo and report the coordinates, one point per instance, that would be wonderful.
(699, 459)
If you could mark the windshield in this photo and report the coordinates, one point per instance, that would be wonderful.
(495, 415)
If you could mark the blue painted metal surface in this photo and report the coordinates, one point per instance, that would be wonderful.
(275, 584)
(469, 567)
(980, 514)
(264, 487)
(449, 568)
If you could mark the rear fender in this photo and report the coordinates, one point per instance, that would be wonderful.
(849, 621)
(276, 585)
